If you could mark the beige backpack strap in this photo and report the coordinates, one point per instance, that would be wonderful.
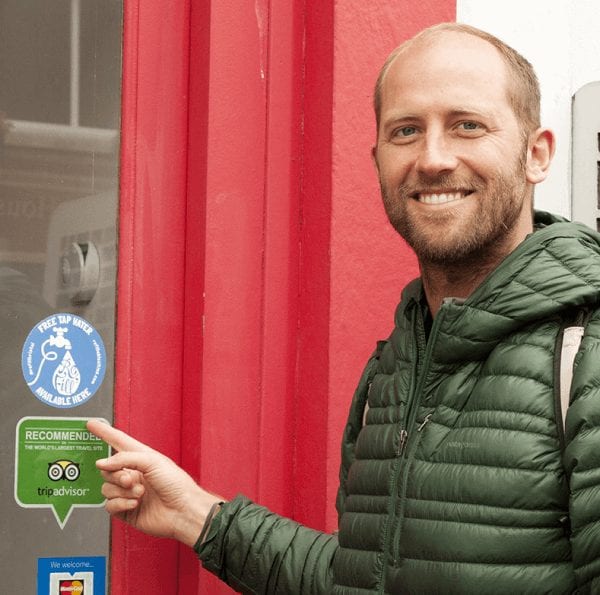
(572, 336)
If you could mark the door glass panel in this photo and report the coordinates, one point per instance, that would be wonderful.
(60, 77)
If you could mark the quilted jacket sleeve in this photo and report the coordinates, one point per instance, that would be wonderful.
(582, 461)
(256, 551)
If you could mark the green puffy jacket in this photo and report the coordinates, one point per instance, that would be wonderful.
(457, 478)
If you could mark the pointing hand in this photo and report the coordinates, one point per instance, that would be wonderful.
(148, 490)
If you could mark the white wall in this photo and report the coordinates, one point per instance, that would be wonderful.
(561, 38)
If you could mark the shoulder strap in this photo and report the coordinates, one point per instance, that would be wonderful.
(571, 340)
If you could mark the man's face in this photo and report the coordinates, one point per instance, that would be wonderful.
(450, 152)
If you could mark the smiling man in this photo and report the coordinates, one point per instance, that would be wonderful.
(457, 475)
(457, 156)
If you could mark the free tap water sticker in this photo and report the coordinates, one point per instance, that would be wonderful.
(71, 576)
(55, 465)
(63, 360)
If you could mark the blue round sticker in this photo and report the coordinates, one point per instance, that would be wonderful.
(63, 361)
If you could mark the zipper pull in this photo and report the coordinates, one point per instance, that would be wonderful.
(424, 422)
(402, 442)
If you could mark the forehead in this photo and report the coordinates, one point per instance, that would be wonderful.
(446, 67)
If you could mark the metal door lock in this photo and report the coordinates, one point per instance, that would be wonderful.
(80, 271)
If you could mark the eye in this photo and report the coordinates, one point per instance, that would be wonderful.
(404, 134)
(469, 127)
(405, 131)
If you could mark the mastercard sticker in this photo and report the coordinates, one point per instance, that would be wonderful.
(72, 576)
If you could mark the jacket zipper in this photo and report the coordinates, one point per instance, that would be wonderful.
(402, 437)
(405, 455)
(401, 442)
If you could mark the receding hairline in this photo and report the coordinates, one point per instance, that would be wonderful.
(523, 89)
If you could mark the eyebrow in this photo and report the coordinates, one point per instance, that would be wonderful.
(395, 116)
(471, 112)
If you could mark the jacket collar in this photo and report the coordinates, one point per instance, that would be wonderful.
(554, 270)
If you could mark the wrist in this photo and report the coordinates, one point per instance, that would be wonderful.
(212, 513)
(198, 516)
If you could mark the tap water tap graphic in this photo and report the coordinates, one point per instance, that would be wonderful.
(66, 377)
(59, 340)
(63, 360)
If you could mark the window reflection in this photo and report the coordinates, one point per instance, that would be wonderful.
(55, 145)
(62, 58)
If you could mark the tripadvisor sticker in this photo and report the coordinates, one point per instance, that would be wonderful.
(55, 465)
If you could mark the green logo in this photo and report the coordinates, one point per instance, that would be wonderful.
(55, 465)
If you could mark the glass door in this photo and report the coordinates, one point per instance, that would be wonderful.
(60, 75)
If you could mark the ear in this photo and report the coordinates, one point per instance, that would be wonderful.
(375, 160)
(540, 150)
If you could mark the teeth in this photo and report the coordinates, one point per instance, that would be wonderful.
(438, 199)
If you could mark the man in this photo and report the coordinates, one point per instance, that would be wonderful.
(456, 476)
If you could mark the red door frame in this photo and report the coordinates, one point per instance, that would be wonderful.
(249, 262)
(150, 325)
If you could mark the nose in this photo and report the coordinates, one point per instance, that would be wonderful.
(435, 155)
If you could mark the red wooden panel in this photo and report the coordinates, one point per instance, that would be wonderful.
(189, 567)
(151, 262)
(310, 478)
(234, 251)
(251, 252)
(234, 248)
(281, 255)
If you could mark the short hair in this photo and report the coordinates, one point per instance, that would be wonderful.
(523, 85)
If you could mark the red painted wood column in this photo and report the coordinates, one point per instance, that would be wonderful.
(150, 329)
(251, 255)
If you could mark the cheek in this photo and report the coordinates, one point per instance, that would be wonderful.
(393, 170)
(488, 161)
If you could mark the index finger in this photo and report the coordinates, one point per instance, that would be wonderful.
(116, 438)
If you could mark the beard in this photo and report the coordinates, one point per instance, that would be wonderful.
(455, 235)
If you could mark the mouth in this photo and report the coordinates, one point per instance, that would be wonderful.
(440, 197)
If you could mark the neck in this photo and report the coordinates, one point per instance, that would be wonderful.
(460, 278)
(457, 280)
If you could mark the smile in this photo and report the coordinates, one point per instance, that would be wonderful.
(435, 198)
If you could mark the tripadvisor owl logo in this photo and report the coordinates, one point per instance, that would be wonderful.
(63, 469)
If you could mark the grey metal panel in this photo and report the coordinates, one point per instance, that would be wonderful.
(585, 172)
